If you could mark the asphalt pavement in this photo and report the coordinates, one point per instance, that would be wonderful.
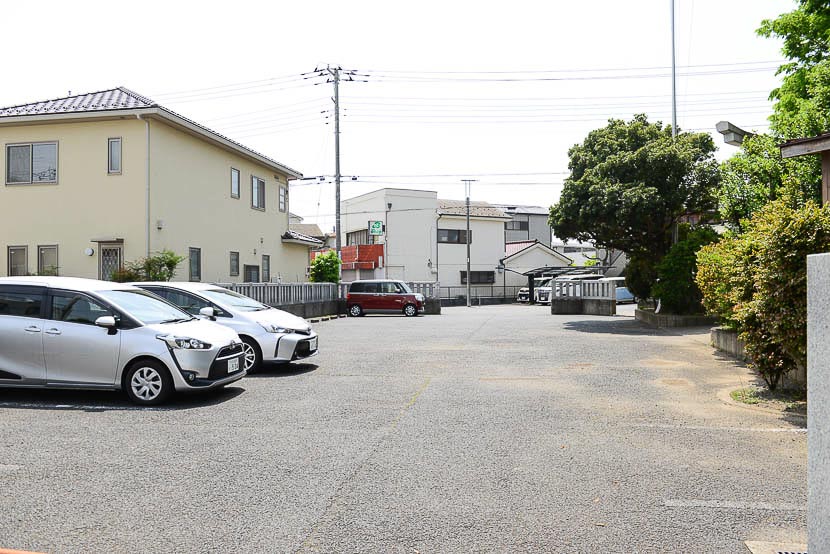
(488, 429)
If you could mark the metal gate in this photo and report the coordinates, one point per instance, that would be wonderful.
(110, 260)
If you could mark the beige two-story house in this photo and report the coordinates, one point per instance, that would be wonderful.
(94, 180)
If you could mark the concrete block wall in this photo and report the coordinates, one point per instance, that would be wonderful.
(818, 402)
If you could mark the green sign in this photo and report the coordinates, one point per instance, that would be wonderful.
(376, 227)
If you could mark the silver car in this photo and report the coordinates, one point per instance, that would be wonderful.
(63, 332)
(268, 334)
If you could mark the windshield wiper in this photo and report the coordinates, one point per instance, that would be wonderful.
(177, 320)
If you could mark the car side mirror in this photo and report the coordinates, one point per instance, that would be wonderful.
(208, 312)
(108, 322)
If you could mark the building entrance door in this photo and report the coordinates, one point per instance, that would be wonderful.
(110, 259)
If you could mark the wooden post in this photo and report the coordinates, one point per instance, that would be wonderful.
(825, 177)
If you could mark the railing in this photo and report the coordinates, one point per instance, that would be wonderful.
(283, 294)
(428, 288)
(592, 290)
(480, 291)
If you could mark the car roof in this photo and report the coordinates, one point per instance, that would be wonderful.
(377, 281)
(71, 283)
(184, 285)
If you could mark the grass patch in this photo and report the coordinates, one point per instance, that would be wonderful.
(786, 400)
(748, 395)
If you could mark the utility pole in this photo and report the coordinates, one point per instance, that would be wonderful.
(335, 74)
(467, 186)
(673, 79)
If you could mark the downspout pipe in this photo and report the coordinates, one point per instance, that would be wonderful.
(146, 180)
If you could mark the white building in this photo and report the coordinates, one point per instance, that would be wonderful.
(425, 237)
(524, 256)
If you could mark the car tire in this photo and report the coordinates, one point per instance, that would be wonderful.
(148, 383)
(410, 310)
(355, 310)
(252, 357)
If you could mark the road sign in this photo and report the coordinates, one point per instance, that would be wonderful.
(376, 227)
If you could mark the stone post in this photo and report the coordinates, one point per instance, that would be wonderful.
(818, 402)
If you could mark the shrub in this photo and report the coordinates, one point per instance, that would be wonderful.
(676, 287)
(758, 280)
(161, 267)
(325, 268)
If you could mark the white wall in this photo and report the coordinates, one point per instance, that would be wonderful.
(486, 248)
(533, 258)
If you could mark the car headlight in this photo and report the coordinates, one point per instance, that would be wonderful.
(184, 343)
(273, 328)
(419, 297)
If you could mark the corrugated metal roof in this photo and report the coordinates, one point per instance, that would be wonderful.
(114, 99)
(531, 210)
(477, 209)
(294, 235)
(120, 98)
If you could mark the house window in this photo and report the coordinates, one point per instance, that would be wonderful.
(235, 187)
(18, 263)
(454, 236)
(47, 260)
(32, 163)
(195, 255)
(479, 277)
(251, 273)
(114, 156)
(257, 193)
(266, 268)
(283, 199)
(515, 225)
(234, 264)
(361, 237)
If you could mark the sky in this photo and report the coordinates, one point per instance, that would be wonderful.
(433, 92)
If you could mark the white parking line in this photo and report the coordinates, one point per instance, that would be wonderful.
(94, 407)
(731, 505)
(797, 430)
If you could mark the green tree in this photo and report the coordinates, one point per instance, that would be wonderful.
(629, 184)
(325, 268)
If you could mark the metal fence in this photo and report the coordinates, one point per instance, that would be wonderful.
(283, 294)
(478, 291)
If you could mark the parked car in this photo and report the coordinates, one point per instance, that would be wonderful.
(63, 332)
(524, 293)
(543, 292)
(268, 334)
(622, 292)
(382, 295)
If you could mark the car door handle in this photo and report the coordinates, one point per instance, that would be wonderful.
(52, 331)
(32, 329)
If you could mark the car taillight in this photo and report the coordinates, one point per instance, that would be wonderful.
(348, 296)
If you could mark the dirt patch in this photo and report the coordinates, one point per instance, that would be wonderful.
(658, 362)
(783, 401)
(675, 382)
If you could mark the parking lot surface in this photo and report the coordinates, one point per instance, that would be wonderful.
(495, 429)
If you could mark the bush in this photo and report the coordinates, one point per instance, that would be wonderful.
(161, 267)
(676, 287)
(325, 268)
(758, 280)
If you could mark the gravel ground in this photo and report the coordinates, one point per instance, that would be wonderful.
(491, 429)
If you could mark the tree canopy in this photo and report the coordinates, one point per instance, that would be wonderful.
(629, 184)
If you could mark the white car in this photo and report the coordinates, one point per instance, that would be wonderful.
(268, 334)
(63, 332)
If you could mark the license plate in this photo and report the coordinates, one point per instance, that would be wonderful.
(312, 344)
(233, 365)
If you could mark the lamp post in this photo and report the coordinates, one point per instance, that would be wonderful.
(467, 186)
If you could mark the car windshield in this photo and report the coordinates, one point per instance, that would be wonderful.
(233, 300)
(405, 287)
(144, 306)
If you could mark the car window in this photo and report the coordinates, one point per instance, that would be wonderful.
(234, 300)
(76, 308)
(188, 302)
(23, 304)
(371, 287)
(357, 287)
(388, 288)
(144, 306)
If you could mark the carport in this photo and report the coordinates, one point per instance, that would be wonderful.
(551, 271)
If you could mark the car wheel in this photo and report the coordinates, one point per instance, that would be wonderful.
(148, 383)
(355, 310)
(410, 310)
(251, 356)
